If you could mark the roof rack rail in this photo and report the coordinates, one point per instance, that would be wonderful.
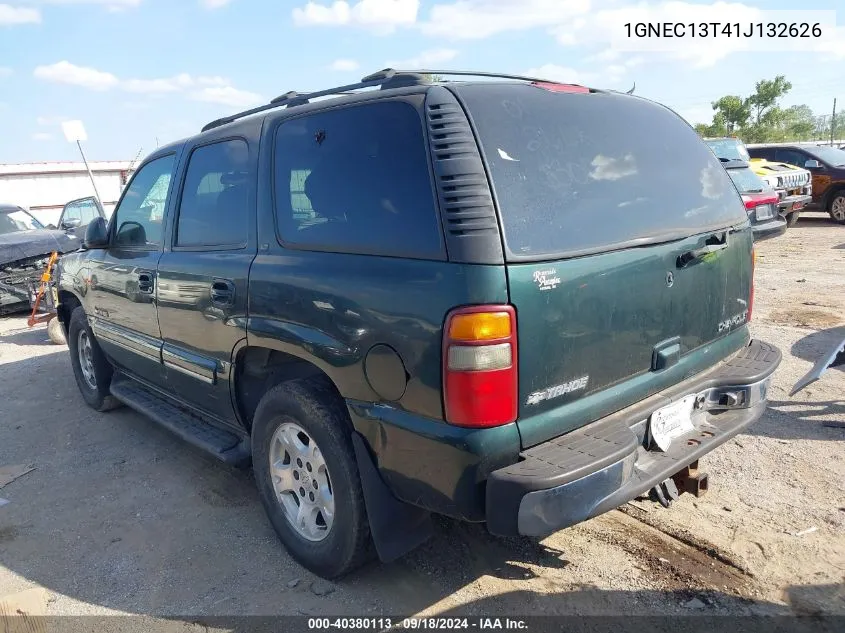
(387, 78)
(474, 73)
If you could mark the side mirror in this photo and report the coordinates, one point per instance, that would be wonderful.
(71, 223)
(96, 235)
(812, 164)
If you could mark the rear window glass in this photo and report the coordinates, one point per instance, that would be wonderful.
(747, 181)
(579, 173)
(729, 148)
(357, 180)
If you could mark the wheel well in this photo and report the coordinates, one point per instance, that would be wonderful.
(838, 188)
(68, 302)
(259, 369)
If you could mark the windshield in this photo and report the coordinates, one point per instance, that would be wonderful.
(747, 181)
(577, 174)
(19, 220)
(730, 148)
(829, 155)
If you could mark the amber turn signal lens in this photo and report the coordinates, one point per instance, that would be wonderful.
(480, 326)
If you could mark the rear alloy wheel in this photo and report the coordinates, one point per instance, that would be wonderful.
(302, 482)
(837, 207)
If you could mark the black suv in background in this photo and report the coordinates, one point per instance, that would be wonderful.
(825, 163)
(502, 301)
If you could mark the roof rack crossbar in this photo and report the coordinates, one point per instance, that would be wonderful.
(293, 98)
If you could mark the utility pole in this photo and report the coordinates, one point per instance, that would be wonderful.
(833, 122)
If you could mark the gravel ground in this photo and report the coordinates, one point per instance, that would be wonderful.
(119, 517)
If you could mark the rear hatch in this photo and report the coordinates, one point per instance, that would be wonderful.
(606, 202)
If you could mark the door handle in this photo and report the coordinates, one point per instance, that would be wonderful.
(223, 292)
(145, 281)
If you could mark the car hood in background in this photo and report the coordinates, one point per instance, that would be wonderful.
(26, 244)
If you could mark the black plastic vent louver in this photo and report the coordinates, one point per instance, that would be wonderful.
(466, 204)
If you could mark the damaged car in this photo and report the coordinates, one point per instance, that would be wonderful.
(25, 248)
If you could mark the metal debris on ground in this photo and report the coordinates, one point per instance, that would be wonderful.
(809, 530)
(8, 474)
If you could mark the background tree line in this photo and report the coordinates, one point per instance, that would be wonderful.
(758, 118)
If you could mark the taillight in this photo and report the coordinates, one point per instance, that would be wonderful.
(480, 366)
(751, 294)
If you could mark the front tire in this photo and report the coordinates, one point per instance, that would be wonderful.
(91, 368)
(836, 209)
(308, 479)
(792, 218)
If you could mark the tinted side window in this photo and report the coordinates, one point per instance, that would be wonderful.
(357, 180)
(762, 152)
(792, 157)
(84, 211)
(213, 209)
(139, 215)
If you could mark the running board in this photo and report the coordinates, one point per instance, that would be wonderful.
(221, 444)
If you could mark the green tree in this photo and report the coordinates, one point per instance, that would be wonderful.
(734, 111)
(799, 123)
(766, 95)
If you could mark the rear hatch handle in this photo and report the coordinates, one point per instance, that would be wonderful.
(712, 244)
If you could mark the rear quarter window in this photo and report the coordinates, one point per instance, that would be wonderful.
(581, 173)
(357, 180)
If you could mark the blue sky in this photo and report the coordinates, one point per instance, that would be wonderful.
(138, 72)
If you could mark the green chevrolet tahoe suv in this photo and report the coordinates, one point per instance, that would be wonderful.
(502, 300)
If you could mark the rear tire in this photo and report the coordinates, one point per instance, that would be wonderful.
(310, 411)
(94, 378)
(836, 208)
(792, 218)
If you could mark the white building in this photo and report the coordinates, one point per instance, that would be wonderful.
(44, 188)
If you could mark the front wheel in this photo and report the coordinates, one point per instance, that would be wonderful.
(792, 218)
(308, 478)
(91, 368)
(837, 207)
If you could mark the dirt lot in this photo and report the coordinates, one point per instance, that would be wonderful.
(118, 516)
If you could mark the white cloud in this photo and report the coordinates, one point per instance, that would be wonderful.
(5, 71)
(171, 84)
(227, 95)
(18, 15)
(381, 15)
(426, 59)
(477, 19)
(67, 73)
(344, 65)
(42, 136)
(214, 4)
(213, 89)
